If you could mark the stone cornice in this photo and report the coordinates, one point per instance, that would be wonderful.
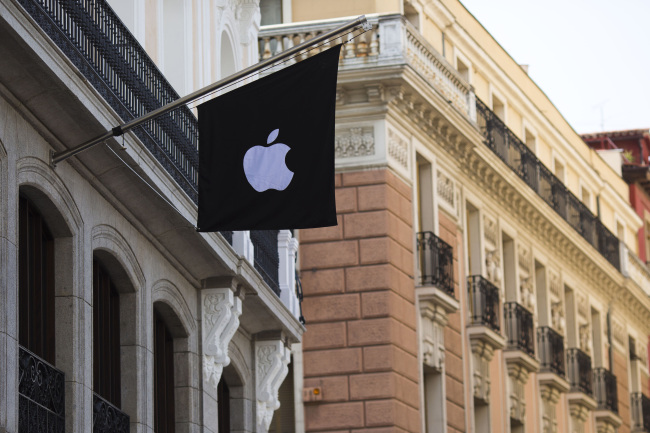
(432, 120)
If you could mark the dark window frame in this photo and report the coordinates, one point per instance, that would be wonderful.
(164, 397)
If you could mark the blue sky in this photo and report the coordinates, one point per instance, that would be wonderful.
(590, 57)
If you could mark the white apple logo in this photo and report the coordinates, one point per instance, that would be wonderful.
(265, 167)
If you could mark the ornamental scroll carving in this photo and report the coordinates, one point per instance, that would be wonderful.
(272, 365)
(398, 148)
(220, 320)
(354, 142)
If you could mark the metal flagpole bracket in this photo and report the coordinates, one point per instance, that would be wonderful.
(57, 157)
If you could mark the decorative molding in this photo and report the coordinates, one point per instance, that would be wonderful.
(447, 192)
(219, 320)
(583, 305)
(517, 378)
(490, 230)
(398, 148)
(107, 238)
(433, 319)
(482, 354)
(555, 284)
(524, 258)
(618, 332)
(550, 396)
(558, 321)
(271, 360)
(493, 267)
(584, 336)
(527, 293)
(357, 141)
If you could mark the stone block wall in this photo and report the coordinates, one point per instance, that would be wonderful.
(361, 345)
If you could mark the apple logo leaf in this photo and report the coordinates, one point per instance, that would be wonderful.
(272, 136)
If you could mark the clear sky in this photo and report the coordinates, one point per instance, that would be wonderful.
(590, 57)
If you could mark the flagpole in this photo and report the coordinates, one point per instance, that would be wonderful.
(57, 157)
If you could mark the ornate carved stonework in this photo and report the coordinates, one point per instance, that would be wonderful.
(482, 354)
(354, 142)
(433, 320)
(220, 320)
(527, 293)
(271, 367)
(490, 230)
(558, 322)
(398, 148)
(446, 188)
(517, 378)
(550, 396)
(555, 284)
(618, 332)
(493, 267)
(524, 258)
(584, 334)
(583, 305)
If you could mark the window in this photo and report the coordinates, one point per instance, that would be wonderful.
(271, 11)
(223, 406)
(163, 385)
(36, 282)
(106, 336)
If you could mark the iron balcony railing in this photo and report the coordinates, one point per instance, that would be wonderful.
(579, 371)
(605, 389)
(484, 302)
(510, 149)
(519, 328)
(640, 412)
(267, 260)
(41, 390)
(108, 418)
(96, 41)
(436, 262)
(551, 350)
(92, 36)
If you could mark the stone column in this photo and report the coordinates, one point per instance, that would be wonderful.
(220, 311)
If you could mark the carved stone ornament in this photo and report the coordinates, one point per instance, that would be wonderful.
(517, 378)
(618, 332)
(524, 258)
(398, 148)
(490, 230)
(482, 354)
(550, 396)
(558, 322)
(527, 293)
(446, 191)
(493, 267)
(220, 320)
(584, 332)
(354, 142)
(583, 305)
(555, 284)
(272, 365)
(433, 320)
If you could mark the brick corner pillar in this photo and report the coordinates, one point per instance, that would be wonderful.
(361, 345)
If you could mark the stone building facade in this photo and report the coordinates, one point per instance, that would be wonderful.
(115, 313)
(484, 273)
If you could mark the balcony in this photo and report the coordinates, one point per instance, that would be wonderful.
(267, 261)
(579, 371)
(393, 41)
(605, 390)
(41, 389)
(107, 418)
(484, 302)
(640, 407)
(551, 351)
(436, 262)
(510, 149)
(519, 328)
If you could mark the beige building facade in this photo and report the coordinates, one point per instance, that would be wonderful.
(484, 274)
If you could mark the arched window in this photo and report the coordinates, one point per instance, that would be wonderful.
(163, 364)
(106, 336)
(223, 406)
(36, 282)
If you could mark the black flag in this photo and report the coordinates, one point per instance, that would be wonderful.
(266, 151)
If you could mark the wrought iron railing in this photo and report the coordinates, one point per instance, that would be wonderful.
(436, 262)
(267, 260)
(484, 302)
(519, 328)
(107, 418)
(640, 407)
(300, 296)
(96, 41)
(551, 350)
(510, 149)
(41, 390)
(579, 371)
(605, 389)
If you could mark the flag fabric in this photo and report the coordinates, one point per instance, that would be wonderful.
(266, 151)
